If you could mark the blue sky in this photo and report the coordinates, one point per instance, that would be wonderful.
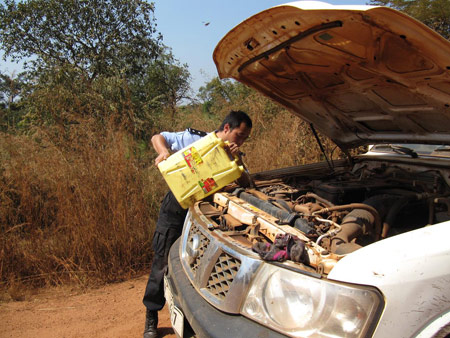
(182, 24)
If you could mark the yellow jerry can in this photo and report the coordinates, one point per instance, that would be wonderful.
(199, 170)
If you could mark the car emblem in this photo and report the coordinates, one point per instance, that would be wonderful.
(192, 248)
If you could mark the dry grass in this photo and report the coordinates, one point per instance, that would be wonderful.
(74, 206)
(278, 138)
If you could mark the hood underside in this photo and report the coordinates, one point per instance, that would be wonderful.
(360, 74)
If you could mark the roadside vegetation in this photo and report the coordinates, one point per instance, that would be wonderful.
(79, 195)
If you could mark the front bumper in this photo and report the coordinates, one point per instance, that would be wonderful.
(204, 319)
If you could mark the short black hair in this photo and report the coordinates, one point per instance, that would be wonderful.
(234, 120)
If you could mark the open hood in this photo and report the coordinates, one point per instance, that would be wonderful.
(360, 74)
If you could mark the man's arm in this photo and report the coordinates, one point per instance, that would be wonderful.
(162, 148)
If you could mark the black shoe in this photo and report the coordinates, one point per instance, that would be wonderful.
(151, 324)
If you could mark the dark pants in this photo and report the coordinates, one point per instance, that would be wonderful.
(168, 229)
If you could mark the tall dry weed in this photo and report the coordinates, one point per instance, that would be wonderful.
(75, 205)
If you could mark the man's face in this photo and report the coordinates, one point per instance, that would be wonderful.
(237, 135)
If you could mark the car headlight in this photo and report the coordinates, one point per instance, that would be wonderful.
(303, 306)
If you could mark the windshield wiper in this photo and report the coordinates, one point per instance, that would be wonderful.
(442, 149)
(399, 149)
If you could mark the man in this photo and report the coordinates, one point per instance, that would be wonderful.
(235, 129)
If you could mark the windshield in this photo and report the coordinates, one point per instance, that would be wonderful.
(413, 149)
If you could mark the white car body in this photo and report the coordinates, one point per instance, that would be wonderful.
(412, 271)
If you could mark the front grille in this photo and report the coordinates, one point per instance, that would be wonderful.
(204, 242)
(218, 267)
(223, 275)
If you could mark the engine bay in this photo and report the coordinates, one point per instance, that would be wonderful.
(331, 213)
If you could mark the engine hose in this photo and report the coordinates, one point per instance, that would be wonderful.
(352, 226)
(284, 216)
(366, 215)
(357, 206)
(319, 199)
(393, 212)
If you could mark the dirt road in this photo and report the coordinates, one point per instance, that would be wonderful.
(111, 311)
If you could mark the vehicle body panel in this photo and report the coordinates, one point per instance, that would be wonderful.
(413, 272)
(360, 74)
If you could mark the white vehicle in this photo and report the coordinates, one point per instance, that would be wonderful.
(371, 233)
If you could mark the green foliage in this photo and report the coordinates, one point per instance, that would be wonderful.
(99, 37)
(97, 58)
(10, 88)
(434, 13)
(165, 83)
(217, 91)
(67, 97)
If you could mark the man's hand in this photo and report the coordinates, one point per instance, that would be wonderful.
(233, 149)
(162, 148)
(161, 157)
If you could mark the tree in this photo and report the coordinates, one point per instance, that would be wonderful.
(10, 88)
(98, 37)
(217, 91)
(434, 13)
(165, 82)
(98, 58)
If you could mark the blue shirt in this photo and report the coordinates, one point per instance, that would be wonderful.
(180, 140)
